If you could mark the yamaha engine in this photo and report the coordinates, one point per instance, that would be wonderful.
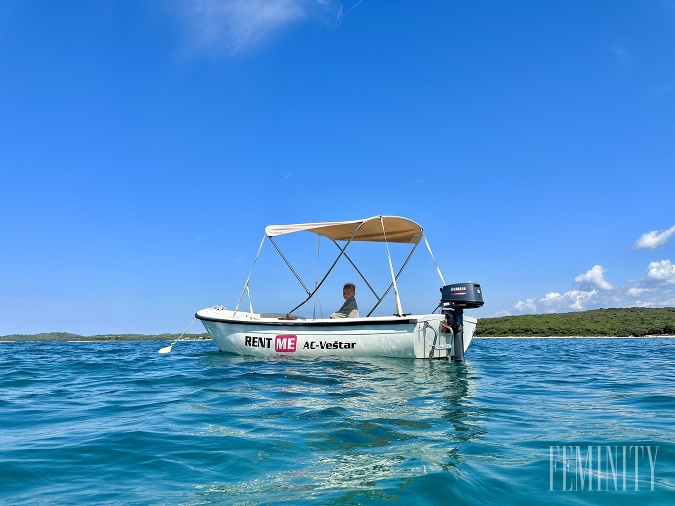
(454, 300)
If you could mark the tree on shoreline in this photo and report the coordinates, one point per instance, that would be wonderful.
(617, 322)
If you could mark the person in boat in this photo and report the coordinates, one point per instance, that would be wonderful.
(349, 309)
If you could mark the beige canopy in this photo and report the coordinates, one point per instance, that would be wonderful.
(375, 229)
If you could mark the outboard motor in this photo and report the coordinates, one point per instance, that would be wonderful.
(454, 299)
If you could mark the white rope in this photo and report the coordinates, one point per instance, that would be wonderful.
(168, 349)
(432, 257)
(248, 279)
(399, 310)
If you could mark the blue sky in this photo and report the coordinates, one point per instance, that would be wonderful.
(145, 145)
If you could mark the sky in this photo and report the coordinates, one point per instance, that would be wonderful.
(144, 147)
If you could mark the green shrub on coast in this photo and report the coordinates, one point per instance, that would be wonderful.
(620, 322)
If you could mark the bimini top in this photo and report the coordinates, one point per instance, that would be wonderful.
(375, 229)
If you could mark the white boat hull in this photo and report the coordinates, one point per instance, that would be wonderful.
(412, 336)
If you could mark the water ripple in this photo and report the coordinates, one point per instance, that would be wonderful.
(118, 423)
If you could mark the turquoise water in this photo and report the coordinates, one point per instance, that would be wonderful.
(119, 423)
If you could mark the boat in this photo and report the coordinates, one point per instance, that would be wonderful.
(445, 333)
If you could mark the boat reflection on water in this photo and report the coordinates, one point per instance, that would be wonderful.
(355, 424)
(403, 424)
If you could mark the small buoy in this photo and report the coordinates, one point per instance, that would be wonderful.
(166, 349)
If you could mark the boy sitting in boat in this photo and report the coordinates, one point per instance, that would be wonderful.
(349, 309)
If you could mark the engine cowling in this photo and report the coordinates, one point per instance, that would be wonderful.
(462, 295)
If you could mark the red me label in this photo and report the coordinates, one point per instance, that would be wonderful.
(286, 343)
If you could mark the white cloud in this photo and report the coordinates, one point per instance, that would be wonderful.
(236, 25)
(554, 302)
(656, 288)
(574, 299)
(527, 304)
(654, 239)
(663, 271)
(636, 292)
(594, 277)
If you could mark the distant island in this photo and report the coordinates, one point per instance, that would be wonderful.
(66, 336)
(619, 322)
(622, 322)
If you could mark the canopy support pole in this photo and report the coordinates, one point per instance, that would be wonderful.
(316, 279)
(360, 274)
(290, 266)
(342, 252)
(249, 279)
(397, 276)
(432, 257)
(399, 311)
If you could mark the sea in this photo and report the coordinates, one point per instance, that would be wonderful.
(570, 421)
